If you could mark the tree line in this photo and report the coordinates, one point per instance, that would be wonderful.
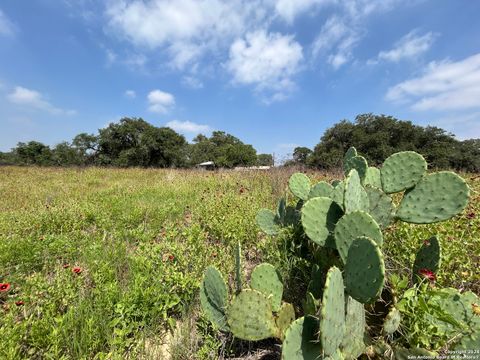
(135, 142)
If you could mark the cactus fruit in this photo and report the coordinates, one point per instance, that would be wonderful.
(428, 257)
(332, 313)
(354, 225)
(266, 280)
(322, 189)
(381, 207)
(358, 163)
(372, 178)
(355, 197)
(214, 297)
(392, 321)
(300, 340)
(267, 221)
(364, 270)
(402, 171)
(352, 345)
(238, 267)
(299, 185)
(250, 316)
(285, 316)
(319, 216)
(436, 197)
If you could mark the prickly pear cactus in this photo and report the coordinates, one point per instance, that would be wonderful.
(381, 207)
(268, 221)
(364, 270)
(352, 345)
(428, 257)
(392, 321)
(338, 193)
(214, 298)
(354, 225)
(250, 316)
(301, 340)
(332, 313)
(266, 280)
(373, 178)
(321, 188)
(299, 185)
(319, 216)
(436, 197)
(355, 196)
(402, 171)
(285, 316)
(358, 163)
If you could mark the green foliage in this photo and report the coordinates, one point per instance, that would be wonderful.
(379, 136)
(264, 160)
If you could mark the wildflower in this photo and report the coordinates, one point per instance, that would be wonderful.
(77, 269)
(4, 287)
(171, 257)
(19, 303)
(428, 274)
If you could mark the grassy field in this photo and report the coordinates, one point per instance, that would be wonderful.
(103, 262)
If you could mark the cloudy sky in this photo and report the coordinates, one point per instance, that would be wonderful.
(275, 73)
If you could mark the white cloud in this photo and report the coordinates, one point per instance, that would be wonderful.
(192, 82)
(266, 60)
(290, 9)
(409, 46)
(6, 26)
(443, 86)
(131, 94)
(111, 57)
(33, 99)
(185, 28)
(188, 127)
(160, 101)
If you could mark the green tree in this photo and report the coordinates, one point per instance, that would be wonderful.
(33, 153)
(65, 155)
(301, 154)
(264, 160)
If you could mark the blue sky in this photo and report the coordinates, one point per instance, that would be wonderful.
(275, 73)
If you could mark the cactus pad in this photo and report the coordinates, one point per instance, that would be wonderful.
(309, 304)
(299, 185)
(354, 225)
(428, 257)
(285, 316)
(215, 287)
(250, 316)
(358, 163)
(372, 177)
(364, 270)
(332, 313)
(402, 171)
(355, 197)
(436, 197)
(300, 340)
(319, 216)
(267, 221)
(352, 345)
(392, 321)
(338, 193)
(380, 206)
(213, 313)
(336, 182)
(350, 153)
(238, 267)
(281, 210)
(322, 189)
(266, 280)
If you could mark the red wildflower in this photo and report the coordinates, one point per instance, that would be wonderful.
(19, 303)
(428, 274)
(4, 287)
(77, 269)
(66, 266)
(171, 257)
(426, 242)
(471, 215)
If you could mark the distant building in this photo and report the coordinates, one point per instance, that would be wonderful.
(207, 165)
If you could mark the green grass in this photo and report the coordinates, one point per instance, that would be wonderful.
(143, 239)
